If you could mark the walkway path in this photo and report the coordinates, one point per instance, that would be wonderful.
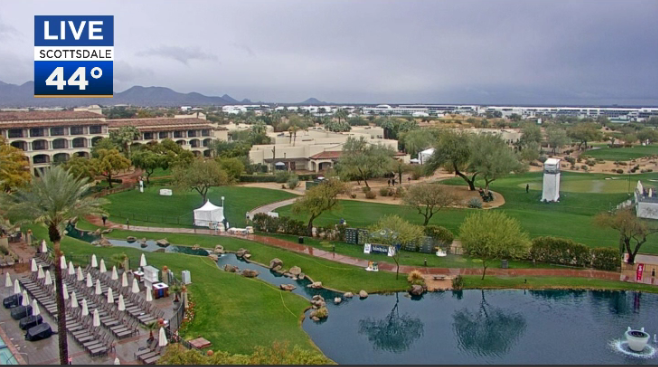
(384, 266)
(270, 207)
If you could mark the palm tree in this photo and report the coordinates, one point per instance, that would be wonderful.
(120, 260)
(125, 137)
(176, 289)
(152, 327)
(52, 200)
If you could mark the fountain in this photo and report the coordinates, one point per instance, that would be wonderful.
(637, 339)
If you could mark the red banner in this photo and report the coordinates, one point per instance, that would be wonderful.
(638, 274)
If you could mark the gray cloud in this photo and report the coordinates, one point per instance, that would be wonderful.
(7, 30)
(181, 54)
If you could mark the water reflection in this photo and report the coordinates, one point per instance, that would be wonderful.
(394, 333)
(558, 294)
(618, 303)
(489, 331)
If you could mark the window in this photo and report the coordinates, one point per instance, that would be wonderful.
(96, 129)
(36, 132)
(148, 136)
(178, 134)
(59, 144)
(79, 143)
(77, 130)
(56, 131)
(163, 135)
(205, 132)
(15, 133)
(191, 134)
(39, 145)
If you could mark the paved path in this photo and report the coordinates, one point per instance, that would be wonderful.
(384, 266)
(270, 207)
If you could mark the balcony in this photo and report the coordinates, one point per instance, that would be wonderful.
(39, 145)
(79, 143)
(15, 133)
(205, 132)
(57, 131)
(178, 134)
(95, 129)
(37, 132)
(60, 144)
(20, 145)
(163, 135)
(148, 136)
(77, 130)
(192, 134)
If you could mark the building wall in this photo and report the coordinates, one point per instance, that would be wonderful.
(647, 210)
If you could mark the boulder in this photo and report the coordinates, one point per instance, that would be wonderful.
(104, 242)
(97, 232)
(317, 297)
(416, 290)
(107, 231)
(241, 252)
(287, 274)
(338, 300)
(301, 276)
(316, 285)
(295, 270)
(275, 262)
(131, 239)
(348, 295)
(219, 249)
(247, 256)
(363, 294)
(315, 318)
(277, 268)
(249, 273)
(287, 287)
(96, 243)
(162, 243)
(213, 257)
(230, 268)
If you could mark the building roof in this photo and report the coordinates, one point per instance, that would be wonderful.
(327, 155)
(47, 124)
(163, 124)
(47, 115)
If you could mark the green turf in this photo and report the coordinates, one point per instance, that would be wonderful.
(151, 209)
(234, 313)
(489, 282)
(623, 154)
(608, 185)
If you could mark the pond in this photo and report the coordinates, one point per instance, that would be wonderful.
(478, 327)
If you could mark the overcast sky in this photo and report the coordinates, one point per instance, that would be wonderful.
(489, 52)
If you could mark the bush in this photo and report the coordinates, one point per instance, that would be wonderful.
(365, 189)
(571, 160)
(400, 192)
(293, 182)
(281, 177)
(475, 203)
(416, 277)
(370, 195)
(605, 258)
(441, 235)
(458, 283)
(584, 167)
(591, 162)
(322, 313)
(554, 250)
(416, 172)
(620, 171)
(542, 158)
(353, 196)
(383, 191)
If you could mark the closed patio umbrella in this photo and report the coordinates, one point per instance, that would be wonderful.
(85, 308)
(49, 279)
(33, 266)
(17, 287)
(110, 296)
(8, 282)
(142, 261)
(44, 248)
(62, 262)
(66, 290)
(103, 269)
(25, 300)
(90, 282)
(122, 304)
(71, 268)
(97, 319)
(115, 275)
(94, 262)
(135, 286)
(117, 361)
(98, 290)
(40, 274)
(74, 300)
(78, 274)
(149, 296)
(162, 338)
(35, 308)
(124, 280)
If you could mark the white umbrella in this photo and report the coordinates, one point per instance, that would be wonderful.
(110, 296)
(97, 319)
(98, 287)
(17, 287)
(44, 248)
(33, 266)
(78, 273)
(71, 268)
(142, 261)
(8, 282)
(35, 308)
(103, 269)
(117, 361)
(49, 279)
(149, 296)
(122, 304)
(94, 262)
(115, 275)
(62, 262)
(85, 308)
(90, 282)
(74, 300)
(135, 286)
(124, 280)
(66, 290)
(40, 274)
(162, 338)
(25, 301)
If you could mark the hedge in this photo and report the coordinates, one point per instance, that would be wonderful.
(562, 251)
(440, 234)
(272, 178)
(605, 258)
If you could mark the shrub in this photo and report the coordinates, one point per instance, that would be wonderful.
(281, 177)
(365, 189)
(620, 171)
(416, 277)
(458, 283)
(293, 182)
(542, 158)
(579, 160)
(441, 235)
(571, 160)
(370, 195)
(416, 172)
(353, 196)
(265, 223)
(554, 250)
(322, 313)
(400, 192)
(605, 258)
(475, 203)
(584, 167)
(591, 162)
(383, 191)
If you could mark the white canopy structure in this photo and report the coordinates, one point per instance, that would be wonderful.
(8, 282)
(85, 308)
(40, 274)
(162, 338)
(71, 269)
(142, 261)
(207, 214)
(115, 275)
(17, 287)
(425, 155)
(122, 304)
(78, 274)
(124, 280)
(49, 279)
(62, 262)
(74, 300)
(33, 266)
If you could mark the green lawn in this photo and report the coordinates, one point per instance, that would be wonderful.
(609, 184)
(149, 208)
(476, 282)
(623, 154)
(234, 313)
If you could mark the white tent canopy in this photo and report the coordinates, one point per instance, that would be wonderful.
(208, 213)
(425, 155)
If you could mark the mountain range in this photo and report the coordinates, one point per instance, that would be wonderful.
(12, 95)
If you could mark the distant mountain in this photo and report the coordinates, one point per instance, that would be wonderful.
(12, 95)
(313, 101)
(246, 101)
(229, 99)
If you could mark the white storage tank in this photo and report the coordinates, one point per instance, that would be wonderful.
(187, 279)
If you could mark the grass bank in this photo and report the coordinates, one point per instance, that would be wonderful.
(490, 282)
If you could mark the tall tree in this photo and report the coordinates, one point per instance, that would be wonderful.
(428, 199)
(53, 199)
(233, 167)
(362, 160)
(490, 235)
(392, 230)
(108, 163)
(556, 137)
(81, 167)
(341, 115)
(584, 132)
(148, 161)
(418, 140)
(648, 135)
(124, 137)
(633, 231)
(530, 132)
(200, 176)
(454, 152)
(494, 159)
(319, 199)
(103, 143)
(529, 152)
(14, 167)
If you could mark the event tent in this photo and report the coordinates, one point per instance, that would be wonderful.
(207, 214)
(425, 155)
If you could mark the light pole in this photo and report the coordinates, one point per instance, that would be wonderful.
(222, 202)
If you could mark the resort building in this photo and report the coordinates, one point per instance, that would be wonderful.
(646, 202)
